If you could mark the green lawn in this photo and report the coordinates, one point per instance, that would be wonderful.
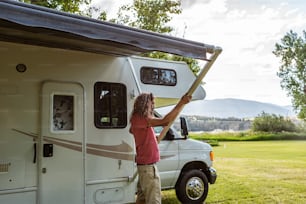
(257, 172)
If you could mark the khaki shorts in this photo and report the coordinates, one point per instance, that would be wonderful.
(148, 187)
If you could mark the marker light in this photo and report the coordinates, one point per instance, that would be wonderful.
(211, 154)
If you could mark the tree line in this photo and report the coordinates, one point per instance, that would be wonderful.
(208, 124)
(264, 122)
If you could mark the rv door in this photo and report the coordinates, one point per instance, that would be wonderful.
(61, 176)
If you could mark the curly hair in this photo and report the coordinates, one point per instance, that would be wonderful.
(141, 104)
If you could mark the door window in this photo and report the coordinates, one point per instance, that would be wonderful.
(63, 113)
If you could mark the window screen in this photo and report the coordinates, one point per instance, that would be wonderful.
(110, 105)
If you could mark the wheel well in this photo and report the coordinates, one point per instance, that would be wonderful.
(193, 165)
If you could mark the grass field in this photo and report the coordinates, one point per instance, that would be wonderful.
(257, 172)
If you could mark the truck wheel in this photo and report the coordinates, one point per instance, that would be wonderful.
(192, 187)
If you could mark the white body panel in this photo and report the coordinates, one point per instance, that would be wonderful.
(86, 164)
(168, 95)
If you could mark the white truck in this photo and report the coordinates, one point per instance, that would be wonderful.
(186, 165)
(67, 87)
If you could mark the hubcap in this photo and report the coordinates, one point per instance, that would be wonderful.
(194, 188)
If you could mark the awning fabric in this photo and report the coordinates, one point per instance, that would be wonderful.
(35, 25)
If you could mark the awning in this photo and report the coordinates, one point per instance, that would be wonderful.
(35, 25)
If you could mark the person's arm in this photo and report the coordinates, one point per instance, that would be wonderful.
(164, 121)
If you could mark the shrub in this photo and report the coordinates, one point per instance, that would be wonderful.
(272, 123)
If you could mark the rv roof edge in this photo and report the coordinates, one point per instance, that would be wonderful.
(20, 22)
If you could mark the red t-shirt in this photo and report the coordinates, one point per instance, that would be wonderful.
(147, 151)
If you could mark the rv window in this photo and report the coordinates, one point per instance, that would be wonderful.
(110, 105)
(63, 113)
(158, 76)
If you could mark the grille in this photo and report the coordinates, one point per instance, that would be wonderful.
(4, 167)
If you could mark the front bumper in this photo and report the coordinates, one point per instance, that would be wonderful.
(212, 175)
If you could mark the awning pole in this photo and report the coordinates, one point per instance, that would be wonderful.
(193, 87)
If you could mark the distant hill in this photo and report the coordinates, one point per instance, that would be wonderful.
(230, 107)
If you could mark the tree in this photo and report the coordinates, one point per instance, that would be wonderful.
(149, 15)
(154, 16)
(71, 6)
(292, 51)
(272, 123)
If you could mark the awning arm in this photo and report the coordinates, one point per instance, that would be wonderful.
(193, 87)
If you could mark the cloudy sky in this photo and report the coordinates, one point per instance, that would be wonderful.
(247, 32)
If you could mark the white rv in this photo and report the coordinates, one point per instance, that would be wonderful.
(67, 87)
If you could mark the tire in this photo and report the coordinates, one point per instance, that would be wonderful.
(192, 187)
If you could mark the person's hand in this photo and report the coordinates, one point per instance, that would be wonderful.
(186, 99)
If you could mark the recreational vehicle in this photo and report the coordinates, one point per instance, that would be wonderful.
(67, 87)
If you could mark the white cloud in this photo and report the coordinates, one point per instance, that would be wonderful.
(247, 32)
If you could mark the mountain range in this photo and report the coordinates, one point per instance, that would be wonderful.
(231, 107)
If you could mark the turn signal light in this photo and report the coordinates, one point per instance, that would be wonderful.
(212, 156)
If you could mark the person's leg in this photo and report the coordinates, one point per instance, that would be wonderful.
(154, 195)
(150, 183)
(140, 196)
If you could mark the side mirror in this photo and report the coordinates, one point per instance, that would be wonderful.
(184, 128)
